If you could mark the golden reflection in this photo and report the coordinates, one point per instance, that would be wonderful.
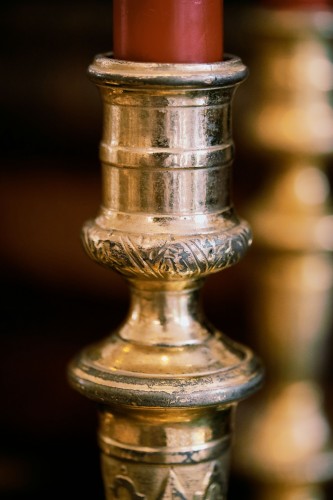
(165, 359)
(311, 186)
(324, 232)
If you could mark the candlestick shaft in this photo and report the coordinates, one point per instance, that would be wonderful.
(156, 454)
(167, 380)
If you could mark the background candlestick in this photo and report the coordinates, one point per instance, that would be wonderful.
(298, 4)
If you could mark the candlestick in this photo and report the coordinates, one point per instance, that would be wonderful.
(182, 31)
(298, 4)
(289, 125)
(166, 381)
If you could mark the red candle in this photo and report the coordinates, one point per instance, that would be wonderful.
(174, 31)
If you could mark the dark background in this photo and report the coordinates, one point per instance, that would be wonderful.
(54, 300)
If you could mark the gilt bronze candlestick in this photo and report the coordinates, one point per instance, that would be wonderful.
(166, 381)
(289, 127)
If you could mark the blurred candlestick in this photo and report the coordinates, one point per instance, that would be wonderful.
(168, 31)
(299, 4)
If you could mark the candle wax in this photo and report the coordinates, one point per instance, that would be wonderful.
(174, 31)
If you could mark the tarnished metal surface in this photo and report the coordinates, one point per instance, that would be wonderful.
(167, 379)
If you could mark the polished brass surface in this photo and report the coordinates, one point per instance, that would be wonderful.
(287, 436)
(166, 380)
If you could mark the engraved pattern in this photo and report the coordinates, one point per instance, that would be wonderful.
(161, 258)
(124, 483)
(173, 489)
(214, 486)
(214, 492)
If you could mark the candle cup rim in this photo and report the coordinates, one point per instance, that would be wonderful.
(105, 70)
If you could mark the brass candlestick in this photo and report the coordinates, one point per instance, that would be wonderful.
(290, 126)
(167, 382)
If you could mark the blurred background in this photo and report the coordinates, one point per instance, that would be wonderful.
(54, 299)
